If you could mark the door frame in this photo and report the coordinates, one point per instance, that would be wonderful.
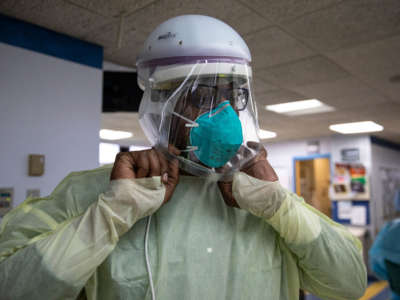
(308, 157)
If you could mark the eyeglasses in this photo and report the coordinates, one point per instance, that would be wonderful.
(205, 96)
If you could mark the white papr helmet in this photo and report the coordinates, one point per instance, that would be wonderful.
(202, 59)
(189, 38)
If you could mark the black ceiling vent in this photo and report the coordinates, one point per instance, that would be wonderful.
(121, 92)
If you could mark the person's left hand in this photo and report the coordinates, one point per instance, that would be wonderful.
(258, 167)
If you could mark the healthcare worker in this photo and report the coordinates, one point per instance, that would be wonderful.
(199, 216)
(384, 255)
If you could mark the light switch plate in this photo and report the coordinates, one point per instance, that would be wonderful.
(33, 193)
(36, 165)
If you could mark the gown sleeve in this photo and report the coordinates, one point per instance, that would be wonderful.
(329, 257)
(50, 247)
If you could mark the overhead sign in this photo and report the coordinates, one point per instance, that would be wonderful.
(351, 154)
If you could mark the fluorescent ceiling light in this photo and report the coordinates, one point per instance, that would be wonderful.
(138, 147)
(356, 127)
(265, 134)
(302, 107)
(108, 134)
(107, 153)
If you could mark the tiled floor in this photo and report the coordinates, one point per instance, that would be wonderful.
(378, 290)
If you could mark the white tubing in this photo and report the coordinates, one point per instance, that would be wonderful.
(146, 253)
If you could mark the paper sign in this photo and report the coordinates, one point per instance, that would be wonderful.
(344, 209)
(352, 154)
(358, 215)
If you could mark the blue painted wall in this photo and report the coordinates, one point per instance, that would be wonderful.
(25, 35)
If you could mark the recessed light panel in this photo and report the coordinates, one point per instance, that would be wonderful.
(356, 127)
(303, 107)
(265, 134)
(108, 134)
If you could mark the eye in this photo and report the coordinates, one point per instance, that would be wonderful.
(241, 98)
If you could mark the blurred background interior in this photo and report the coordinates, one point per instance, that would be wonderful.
(69, 98)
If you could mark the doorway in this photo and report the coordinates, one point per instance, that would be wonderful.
(312, 179)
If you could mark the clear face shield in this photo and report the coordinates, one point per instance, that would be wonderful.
(204, 109)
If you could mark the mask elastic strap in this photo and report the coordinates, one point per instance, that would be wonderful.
(220, 109)
(190, 122)
(190, 148)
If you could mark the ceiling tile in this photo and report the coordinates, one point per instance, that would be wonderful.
(112, 8)
(307, 71)
(271, 121)
(269, 116)
(242, 19)
(139, 25)
(105, 35)
(261, 86)
(278, 96)
(393, 124)
(56, 15)
(374, 63)
(383, 112)
(273, 46)
(284, 10)
(343, 93)
(235, 14)
(306, 132)
(349, 23)
(323, 120)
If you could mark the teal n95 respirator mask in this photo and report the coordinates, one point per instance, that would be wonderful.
(216, 136)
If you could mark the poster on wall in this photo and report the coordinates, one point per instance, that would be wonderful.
(350, 182)
(358, 179)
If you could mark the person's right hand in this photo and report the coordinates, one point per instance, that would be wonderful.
(148, 163)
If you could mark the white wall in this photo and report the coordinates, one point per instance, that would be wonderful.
(363, 143)
(48, 106)
(384, 182)
(281, 154)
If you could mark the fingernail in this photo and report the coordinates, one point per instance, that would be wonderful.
(165, 177)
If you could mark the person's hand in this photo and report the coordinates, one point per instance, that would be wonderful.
(258, 167)
(148, 163)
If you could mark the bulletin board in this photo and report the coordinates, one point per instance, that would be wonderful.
(350, 194)
(356, 213)
(350, 182)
